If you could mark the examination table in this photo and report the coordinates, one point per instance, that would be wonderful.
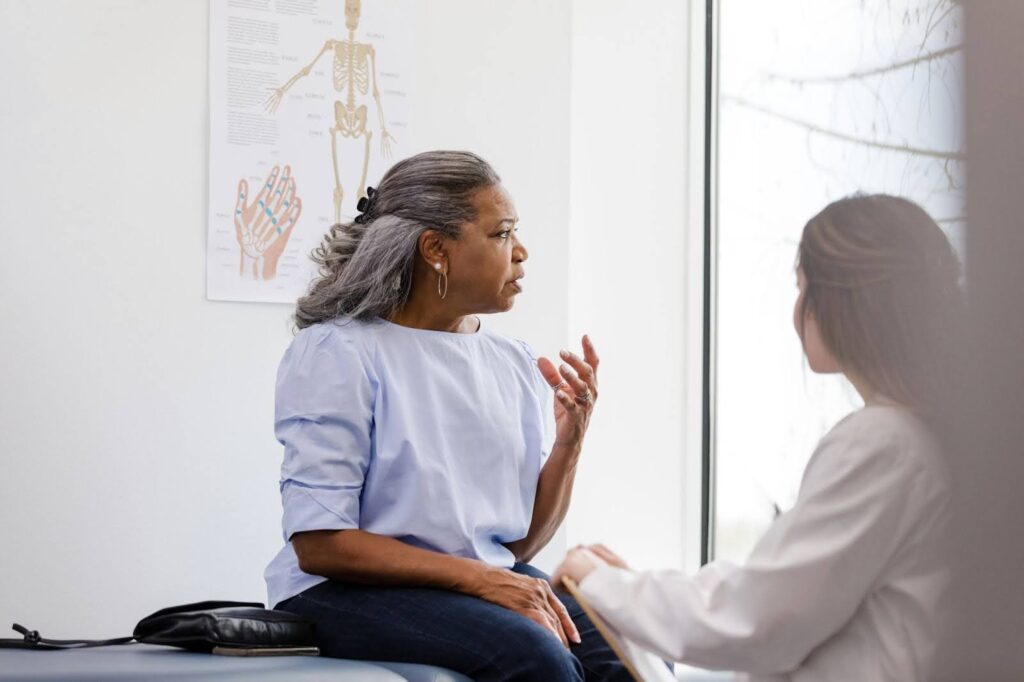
(144, 662)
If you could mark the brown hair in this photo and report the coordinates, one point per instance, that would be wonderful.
(883, 286)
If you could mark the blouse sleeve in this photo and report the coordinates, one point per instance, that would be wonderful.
(802, 582)
(324, 419)
(545, 397)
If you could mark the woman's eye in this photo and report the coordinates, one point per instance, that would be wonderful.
(504, 234)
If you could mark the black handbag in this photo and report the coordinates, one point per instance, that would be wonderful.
(202, 626)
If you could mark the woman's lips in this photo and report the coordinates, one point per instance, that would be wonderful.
(516, 285)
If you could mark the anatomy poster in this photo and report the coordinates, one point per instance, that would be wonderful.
(308, 106)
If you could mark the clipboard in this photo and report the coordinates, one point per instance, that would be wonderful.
(643, 665)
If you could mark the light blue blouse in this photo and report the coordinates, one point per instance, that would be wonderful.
(433, 438)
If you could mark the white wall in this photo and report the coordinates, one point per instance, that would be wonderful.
(138, 467)
(631, 245)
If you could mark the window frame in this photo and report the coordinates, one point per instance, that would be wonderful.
(700, 298)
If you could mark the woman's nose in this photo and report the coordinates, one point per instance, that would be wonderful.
(519, 252)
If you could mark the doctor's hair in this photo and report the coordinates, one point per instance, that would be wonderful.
(883, 286)
(366, 266)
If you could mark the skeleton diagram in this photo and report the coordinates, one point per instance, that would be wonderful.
(355, 71)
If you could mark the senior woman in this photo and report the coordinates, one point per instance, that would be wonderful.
(416, 483)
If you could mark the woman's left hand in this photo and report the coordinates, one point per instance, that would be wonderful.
(577, 565)
(575, 384)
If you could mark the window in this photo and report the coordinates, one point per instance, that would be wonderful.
(814, 101)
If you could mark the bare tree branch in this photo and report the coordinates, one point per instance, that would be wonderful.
(931, 25)
(868, 73)
(814, 128)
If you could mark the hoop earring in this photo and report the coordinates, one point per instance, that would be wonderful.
(444, 276)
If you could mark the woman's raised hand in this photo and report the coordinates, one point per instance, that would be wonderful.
(575, 385)
(530, 597)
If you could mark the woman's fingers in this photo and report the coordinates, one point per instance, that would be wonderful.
(552, 610)
(549, 372)
(557, 382)
(567, 401)
(562, 614)
(530, 597)
(569, 376)
(579, 374)
(590, 356)
(583, 370)
(543, 599)
(557, 627)
(590, 353)
(542, 618)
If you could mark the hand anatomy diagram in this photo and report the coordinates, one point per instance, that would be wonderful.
(354, 74)
(263, 224)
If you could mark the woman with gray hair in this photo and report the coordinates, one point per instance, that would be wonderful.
(416, 481)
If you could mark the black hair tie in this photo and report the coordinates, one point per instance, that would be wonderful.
(365, 206)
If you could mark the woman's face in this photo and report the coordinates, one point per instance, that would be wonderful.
(486, 262)
(818, 356)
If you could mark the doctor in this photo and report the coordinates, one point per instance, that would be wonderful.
(845, 585)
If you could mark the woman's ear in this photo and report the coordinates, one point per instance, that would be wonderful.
(433, 249)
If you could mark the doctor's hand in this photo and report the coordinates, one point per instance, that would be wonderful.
(582, 560)
(527, 596)
(608, 556)
(575, 386)
(577, 565)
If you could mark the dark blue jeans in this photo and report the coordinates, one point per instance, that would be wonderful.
(479, 639)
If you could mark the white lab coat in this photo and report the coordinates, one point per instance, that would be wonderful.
(846, 585)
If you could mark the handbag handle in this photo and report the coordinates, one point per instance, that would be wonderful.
(33, 640)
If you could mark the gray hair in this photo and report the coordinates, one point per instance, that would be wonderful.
(366, 267)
